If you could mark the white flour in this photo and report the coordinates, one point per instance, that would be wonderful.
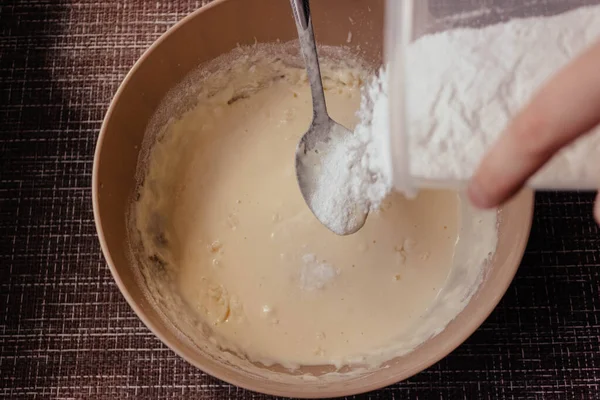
(463, 87)
(330, 174)
(316, 274)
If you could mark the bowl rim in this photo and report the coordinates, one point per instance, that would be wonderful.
(466, 330)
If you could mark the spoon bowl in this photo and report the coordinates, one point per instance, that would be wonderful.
(323, 177)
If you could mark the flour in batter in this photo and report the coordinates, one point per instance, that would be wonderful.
(221, 210)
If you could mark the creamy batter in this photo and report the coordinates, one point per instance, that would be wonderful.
(221, 210)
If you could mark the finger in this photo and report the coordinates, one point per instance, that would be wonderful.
(597, 209)
(565, 108)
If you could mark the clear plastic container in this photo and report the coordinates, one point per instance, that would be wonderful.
(411, 24)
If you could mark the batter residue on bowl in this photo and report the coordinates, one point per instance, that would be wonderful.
(221, 216)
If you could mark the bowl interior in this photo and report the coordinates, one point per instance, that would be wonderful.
(204, 35)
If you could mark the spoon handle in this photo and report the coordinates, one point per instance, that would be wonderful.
(306, 36)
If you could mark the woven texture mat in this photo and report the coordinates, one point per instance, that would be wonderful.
(65, 330)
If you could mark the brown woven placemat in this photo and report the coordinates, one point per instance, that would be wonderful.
(67, 333)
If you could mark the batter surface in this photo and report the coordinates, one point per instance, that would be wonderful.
(223, 210)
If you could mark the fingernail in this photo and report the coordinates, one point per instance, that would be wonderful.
(477, 195)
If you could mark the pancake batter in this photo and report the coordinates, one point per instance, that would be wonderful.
(221, 209)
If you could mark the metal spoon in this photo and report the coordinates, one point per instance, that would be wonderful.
(321, 129)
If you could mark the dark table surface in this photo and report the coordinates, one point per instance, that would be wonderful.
(67, 333)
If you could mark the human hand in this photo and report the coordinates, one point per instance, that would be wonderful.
(567, 107)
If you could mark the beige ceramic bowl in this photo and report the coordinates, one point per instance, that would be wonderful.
(202, 36)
